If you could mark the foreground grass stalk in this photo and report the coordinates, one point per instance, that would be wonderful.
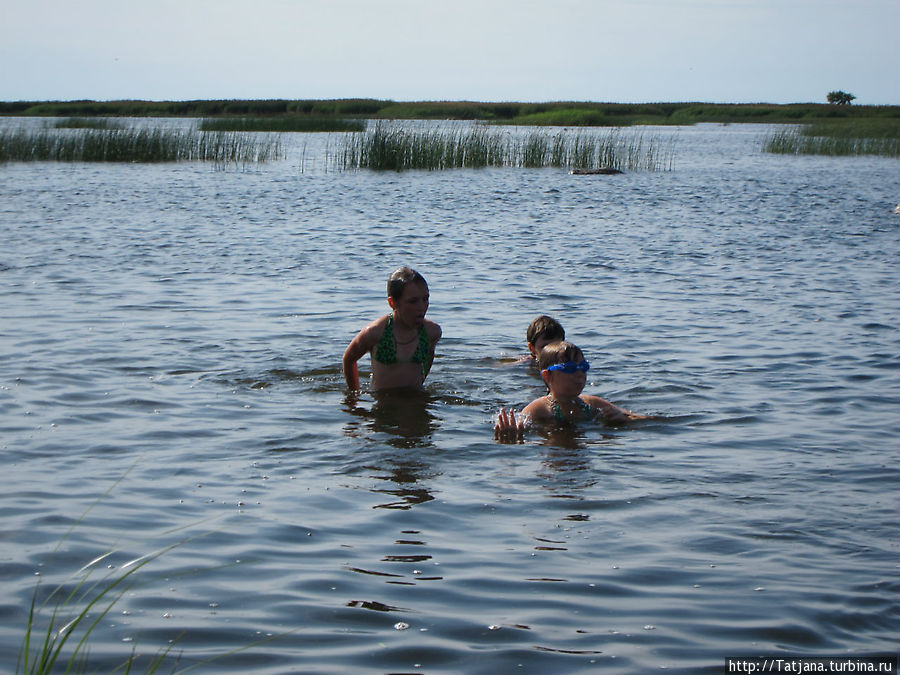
(77, 613)
(56, 637)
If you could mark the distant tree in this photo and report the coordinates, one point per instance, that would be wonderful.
(840, 97)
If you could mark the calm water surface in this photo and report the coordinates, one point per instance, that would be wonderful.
(170, 375)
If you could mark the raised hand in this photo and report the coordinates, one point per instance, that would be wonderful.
(508, 428)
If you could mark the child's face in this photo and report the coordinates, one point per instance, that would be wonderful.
(412, 305)
(564, 385)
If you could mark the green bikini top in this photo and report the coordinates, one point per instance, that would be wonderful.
(586, 409)
(386, 349)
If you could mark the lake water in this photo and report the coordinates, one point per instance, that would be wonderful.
(170, 376)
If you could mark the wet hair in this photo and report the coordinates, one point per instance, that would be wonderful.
(559, 352)
(400, 279)
(544, 327)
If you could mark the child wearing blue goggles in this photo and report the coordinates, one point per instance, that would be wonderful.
(571, 366)
(564, 370)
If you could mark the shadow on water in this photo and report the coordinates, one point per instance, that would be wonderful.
(404, 484)
(404, 420)
(567, 465)
(402, 414)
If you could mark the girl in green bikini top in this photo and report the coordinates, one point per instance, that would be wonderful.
(393, 366)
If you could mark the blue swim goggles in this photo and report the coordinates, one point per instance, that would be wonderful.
(570, 366)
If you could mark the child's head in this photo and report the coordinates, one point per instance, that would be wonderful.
(408, 296)
(400, 279)
(559, 352)
(543, 331)
(563, 368)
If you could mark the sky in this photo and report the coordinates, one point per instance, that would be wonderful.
(626, 51)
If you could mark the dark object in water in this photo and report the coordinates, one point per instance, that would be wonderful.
(605, 171)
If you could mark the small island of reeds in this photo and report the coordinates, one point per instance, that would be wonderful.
(838, 138)
(397, 148)
(135, 145)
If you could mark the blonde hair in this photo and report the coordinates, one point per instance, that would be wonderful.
(559, 352)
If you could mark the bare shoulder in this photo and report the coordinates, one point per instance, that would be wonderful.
(538, 409)
(369, 336)
(434, 331)
(378, 324)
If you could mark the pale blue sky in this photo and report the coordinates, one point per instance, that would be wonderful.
(777, 51)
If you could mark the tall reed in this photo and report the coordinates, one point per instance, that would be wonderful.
(136, 145)
(396, 148)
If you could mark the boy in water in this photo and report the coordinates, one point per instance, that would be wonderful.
(401, 344)
(544, 330)
(564, 371)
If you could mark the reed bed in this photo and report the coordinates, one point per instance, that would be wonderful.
(395, 148)
(839, 139)
(854, 128)
(136, 145)
(88, 123)
(281, 124)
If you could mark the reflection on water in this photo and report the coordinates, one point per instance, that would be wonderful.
(566, 469)
(403, 414)
(406, 477)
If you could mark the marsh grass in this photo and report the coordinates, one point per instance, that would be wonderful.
(136, 145)
(281, 124)
(854, 128)
(63, 645)
(553, 113)
(88, 123)
(71, 619)
(80, 603)
(75, 615)
(394, 148)
(839, 138)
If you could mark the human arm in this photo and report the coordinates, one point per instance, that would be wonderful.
(364, 341)
(434, 334)
(351, 373)
(612, 413)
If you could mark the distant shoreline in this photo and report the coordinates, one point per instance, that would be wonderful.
(552, 113)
